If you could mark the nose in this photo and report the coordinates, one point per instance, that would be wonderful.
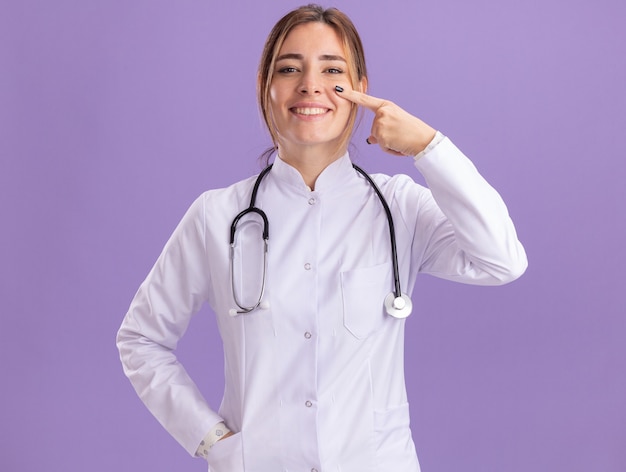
(310, 84)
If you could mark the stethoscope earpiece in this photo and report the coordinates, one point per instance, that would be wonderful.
(398, 307)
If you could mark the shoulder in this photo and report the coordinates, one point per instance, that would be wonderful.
(408, 200)
(228, 196)
(399, 186)
(211, 206)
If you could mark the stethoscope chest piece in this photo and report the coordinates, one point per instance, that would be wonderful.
(398, 307)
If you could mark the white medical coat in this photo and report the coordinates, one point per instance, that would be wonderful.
(315, 380)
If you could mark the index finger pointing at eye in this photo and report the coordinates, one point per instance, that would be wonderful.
(359, 98)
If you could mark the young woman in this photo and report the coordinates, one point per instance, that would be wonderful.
(313, 329)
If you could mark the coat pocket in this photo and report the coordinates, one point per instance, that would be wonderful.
(395, 448)
(363, 292)
(226, 455)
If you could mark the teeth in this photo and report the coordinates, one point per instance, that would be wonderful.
(310, 111)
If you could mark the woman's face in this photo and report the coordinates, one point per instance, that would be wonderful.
(305, 109)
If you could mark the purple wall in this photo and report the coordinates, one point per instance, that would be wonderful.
(115, 115)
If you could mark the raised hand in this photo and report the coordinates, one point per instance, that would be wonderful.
(396, 131)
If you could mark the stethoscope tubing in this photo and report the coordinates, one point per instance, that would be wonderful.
(253, 209)
(266, 236)
(392, 232)
(396, 303)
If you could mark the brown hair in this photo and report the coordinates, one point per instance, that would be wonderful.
(352, 45)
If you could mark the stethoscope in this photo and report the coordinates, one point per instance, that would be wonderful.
(397, 304)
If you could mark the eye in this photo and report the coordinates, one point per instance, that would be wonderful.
(334, 70)
(287, 70)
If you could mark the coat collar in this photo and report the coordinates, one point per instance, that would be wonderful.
(334, 176)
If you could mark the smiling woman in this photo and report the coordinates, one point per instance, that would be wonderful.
(342, 58)
(314, 377)
(308, 118)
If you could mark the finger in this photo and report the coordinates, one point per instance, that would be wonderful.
(359, 98)
(371, 140)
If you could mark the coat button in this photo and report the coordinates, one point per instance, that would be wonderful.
(307, 266)
(307, 335)
(312, 201)
(308, 404)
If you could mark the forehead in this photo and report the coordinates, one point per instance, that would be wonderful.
(314, 37)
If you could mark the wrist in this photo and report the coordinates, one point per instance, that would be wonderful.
(426, 136)
(436, 139)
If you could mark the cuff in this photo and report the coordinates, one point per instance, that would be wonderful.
(214, 435)
(436, 140)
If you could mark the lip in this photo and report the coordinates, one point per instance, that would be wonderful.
(315, 109)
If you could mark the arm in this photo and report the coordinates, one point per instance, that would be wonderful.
(157, 318)
(470, 236)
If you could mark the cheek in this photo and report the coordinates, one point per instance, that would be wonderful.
(273, 97)
(277, 93)
(274, 102)
(345, 108)
(342, 80)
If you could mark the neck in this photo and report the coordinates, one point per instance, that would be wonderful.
(310, 161)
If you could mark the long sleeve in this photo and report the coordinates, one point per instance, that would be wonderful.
(157, 318)
(471, 237)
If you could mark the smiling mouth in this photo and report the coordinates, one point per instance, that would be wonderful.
(310, 111)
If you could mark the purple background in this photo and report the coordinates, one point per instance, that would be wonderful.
(115, 115)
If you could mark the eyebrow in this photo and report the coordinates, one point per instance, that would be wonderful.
(300, 57)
